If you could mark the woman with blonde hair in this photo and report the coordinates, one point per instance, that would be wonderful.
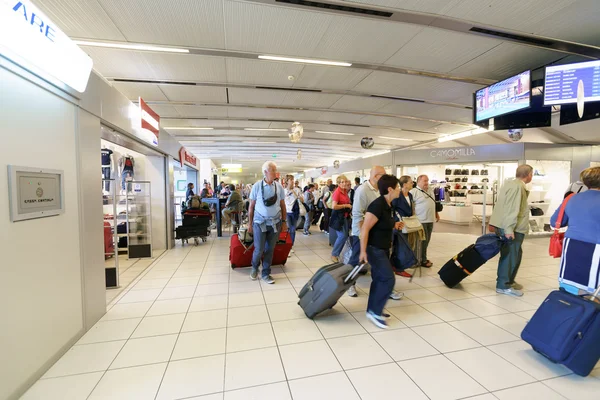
(340, 215)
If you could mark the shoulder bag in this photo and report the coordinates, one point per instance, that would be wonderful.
(556, 241)
(438, 205)
(411, 224)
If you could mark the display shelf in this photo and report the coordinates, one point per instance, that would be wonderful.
(459, 215)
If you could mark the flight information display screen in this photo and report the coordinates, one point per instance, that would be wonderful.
(504, 97)
(565, 82)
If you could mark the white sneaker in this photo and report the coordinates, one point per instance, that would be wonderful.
(378, 321)
(396, 295)
(510, 292)
(352, 291)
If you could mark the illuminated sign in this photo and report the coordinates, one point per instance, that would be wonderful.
(150, 122)
(187, 158)
(31, 39)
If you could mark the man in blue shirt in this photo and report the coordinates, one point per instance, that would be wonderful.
(267, 206)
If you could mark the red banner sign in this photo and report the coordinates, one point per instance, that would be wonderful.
(150, 120)
(187, 158)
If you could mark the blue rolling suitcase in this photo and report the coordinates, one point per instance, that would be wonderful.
(566, 330)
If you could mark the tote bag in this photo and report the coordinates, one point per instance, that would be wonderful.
(556, 241)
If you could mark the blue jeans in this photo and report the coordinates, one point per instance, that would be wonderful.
(291, 223)
(125, 175)
(383, 279)
(308, 221)
(354, 258)
(264, 246)
(342, 236)
(510, 259)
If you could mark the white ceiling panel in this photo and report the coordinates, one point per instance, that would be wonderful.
(340, 118)
(391, 84)
(307, 99)
(134, 90)
(560, 25)
(249, 124)
(256, 96)
(201, 112)
(259, 72)
(441, 50)
(410, 108)
(363, 40)
(273, 30)
(450, 114)
(179, 23)
(81, 18)
(429, 6)
(339, 78)
(207, 94)
(397, 123)
(449, 128)
(482, 140)
(269, 113)
(509, 14)
(201, 123)
(165, 111)
(132, 64)
(358, 103)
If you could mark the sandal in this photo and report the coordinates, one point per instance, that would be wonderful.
(427, 264)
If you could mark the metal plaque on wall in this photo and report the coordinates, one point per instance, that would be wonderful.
(35, 192)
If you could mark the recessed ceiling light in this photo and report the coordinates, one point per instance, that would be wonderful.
(306, 61)
(266, 129)
(336, 133)
(188, 128)
(132, 46)
(394, 138)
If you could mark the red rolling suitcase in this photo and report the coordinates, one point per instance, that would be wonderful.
(240, 255)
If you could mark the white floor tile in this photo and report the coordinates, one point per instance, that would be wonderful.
(285, 311)
(489, 369)
(338, 325)
(85, 358)
(198, 321)
(358, 351)
(509, 303)
(575, 387)
(182, 292)
(150, 350)
(404, 344)
(440, 379)
(422, 296)
(512, 323)
(414, 315)
(280, 296)
(484, 331)
(247, 315)
(274, 391)
(249, 337)
(296, 331)
(159, 274)
(130, 383)
(206, 303)
(527, 392)
(105, 331)
(128, 310)
(210, 279)
(137, 296)
(308, 359)
(246, 299)
(253, 368)
(150, 284)
(448, 311)
(165, 307)
(244, 286)
(480, 307)
(200, 344)
(445, 338)
(160, 325)
(188, 272)
(325, 387)
(73, 387)
(195, 377)
(212, 289)
(524, 357)
(368, 383)
(183, 281)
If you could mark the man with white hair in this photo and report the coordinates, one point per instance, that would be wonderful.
(266, 220)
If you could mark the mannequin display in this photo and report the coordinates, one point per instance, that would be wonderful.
(126, 165)
(108, 166)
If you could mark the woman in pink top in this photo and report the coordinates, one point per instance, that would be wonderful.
(341, 210)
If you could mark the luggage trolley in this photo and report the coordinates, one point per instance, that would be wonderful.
(196, 225)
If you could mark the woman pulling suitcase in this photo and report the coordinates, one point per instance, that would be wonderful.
(375, 242)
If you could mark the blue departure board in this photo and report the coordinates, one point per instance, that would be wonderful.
(562, 83)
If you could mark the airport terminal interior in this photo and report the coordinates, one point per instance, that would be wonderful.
(132, 127)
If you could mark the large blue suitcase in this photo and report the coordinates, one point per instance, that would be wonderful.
(566, 330)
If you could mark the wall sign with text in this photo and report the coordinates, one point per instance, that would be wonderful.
(35, 192)
(187, 158)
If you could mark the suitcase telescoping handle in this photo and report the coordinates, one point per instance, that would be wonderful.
(354, 272)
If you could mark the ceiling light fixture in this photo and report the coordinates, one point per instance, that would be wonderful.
(306, 61)
(447, 138)
(260, 142)
(132, 46)
(395, 138)
(266, 129)
(188, 128)
(336, 133)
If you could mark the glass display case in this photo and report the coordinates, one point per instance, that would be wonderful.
(137, 227)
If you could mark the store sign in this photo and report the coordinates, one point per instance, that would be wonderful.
(35, 193)
(453, 154)
(30, 38)
(231, 170)
(150, 122)
(187, 158)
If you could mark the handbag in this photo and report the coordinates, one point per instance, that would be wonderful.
(411, 224)
(556, 241)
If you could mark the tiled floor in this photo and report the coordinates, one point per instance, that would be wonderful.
(129, 270)
(191, 328)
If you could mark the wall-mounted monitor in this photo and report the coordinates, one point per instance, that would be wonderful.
(563, 83)
(535, 116)
(570, 115)
(507, 96)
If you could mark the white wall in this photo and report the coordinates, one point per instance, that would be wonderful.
(41, 285)
(155, 173)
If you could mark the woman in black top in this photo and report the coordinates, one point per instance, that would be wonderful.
(375, 242)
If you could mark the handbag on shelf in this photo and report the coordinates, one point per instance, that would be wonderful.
(448, 172)
(475, 172)
(465, 179)
(556, 241)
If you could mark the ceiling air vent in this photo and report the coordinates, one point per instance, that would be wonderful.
(397, 98)
(154, 82)
(337, 7)
(512, 36)
(289, 89)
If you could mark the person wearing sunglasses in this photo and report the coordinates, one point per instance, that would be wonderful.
(266, 220)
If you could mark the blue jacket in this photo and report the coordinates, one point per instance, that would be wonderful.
(582, 216)
(401, 206)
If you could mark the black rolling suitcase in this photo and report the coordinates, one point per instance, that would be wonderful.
(326, 287)
(470, 259)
